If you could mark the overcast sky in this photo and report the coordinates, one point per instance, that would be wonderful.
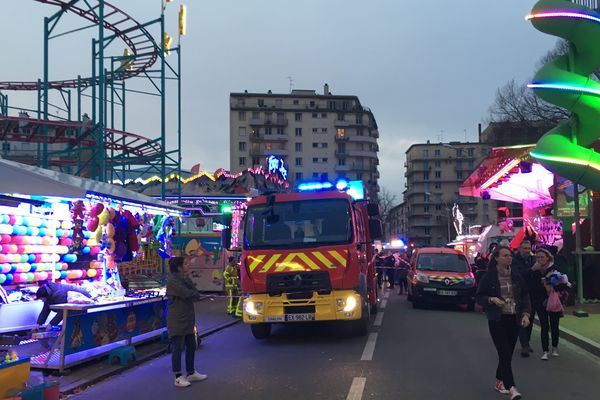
(427, 69)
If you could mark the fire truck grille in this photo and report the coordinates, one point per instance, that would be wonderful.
(298, 282)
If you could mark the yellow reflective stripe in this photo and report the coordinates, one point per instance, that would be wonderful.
(256, 261)
(304, 257)
(270, 263)
(339, 257)
(323, 259)
(286, 263)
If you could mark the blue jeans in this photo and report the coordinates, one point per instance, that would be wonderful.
(178, 343)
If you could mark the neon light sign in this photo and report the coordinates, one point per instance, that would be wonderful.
(277, 165)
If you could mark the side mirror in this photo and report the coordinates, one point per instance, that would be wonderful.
(375, 229)
(373, 209)
(226, 233)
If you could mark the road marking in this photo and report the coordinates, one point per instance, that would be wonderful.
(386, 295)
(357, 388)
(378, 319)
(383, 303)
(367, 354)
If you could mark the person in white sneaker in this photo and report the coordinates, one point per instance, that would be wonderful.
(181, 320)
(504, 296)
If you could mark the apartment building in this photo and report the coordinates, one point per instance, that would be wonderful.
(318, 136)
(434, 172)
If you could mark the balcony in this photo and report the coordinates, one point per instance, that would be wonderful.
(362, 139)
(268, 121)
(265, 152)
(342, 168)
(361, 153)
(361, 168)
(261, 137)
(375, 133)
(341, 153)
(341, 123)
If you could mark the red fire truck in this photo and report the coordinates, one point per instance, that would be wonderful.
(308, 256)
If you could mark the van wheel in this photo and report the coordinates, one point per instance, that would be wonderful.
(416, 303)
(373, 309)
(408, 295)
(261, 331)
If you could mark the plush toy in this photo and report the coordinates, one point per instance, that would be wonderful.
(77, 214)
(164, 235)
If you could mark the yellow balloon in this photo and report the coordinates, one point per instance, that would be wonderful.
(110, 230)
(91, 273)
(103, 217)
(98, 234)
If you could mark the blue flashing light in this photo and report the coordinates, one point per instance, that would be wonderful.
(341, 185)
(313, 186)
(356, 190)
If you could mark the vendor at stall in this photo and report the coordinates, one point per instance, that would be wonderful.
(55, 293)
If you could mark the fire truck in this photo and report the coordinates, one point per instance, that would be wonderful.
(308, 256)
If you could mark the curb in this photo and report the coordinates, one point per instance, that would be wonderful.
(578, 340)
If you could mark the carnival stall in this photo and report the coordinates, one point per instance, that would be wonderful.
(61, 228)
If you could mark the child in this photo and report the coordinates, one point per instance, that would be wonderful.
(181, 321)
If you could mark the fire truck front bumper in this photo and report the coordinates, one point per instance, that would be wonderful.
(342, 305)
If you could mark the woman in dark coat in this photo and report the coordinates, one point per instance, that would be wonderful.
(181, 321)
(503, 294)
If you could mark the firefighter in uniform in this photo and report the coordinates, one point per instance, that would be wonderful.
(232, 280)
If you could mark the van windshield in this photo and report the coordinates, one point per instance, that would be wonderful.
(293, 224)
(442, 262)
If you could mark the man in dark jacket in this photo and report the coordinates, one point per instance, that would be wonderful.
(52, 294)
(522, 262)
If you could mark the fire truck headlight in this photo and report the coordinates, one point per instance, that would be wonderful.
(423, 278)
(469, 281)
(350, 304)
(253, 308)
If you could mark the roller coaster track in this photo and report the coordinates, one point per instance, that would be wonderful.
(139, 41)
(567, 149)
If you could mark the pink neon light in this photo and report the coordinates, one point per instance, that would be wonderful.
(560, 14)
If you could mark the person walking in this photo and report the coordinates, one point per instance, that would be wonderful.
(232, 284)
(522, 262)
(503, 294)
(181, 321)
(549, 322)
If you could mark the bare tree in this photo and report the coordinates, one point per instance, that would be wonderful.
(515, 102)
(386, 200)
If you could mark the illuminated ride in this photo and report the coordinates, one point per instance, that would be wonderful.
(567, 149)
(94, 146)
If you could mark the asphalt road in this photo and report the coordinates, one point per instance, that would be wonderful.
(441, 352)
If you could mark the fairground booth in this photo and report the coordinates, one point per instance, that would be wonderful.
(511, 175)
(213, 202)
(64, 229)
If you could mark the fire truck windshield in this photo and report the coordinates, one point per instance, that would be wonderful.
(293, 224)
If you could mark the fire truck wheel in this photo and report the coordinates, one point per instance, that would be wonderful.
(261, 331)
(374, 309)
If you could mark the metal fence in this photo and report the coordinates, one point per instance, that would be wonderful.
(593, 4)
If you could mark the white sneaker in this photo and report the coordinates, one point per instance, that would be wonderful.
(514, 393)
(545, 356)
(554, 352)
(182, 382)
(499, 387)
(196, 377)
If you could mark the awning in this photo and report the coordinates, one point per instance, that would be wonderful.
(510, 174)
(17, 178)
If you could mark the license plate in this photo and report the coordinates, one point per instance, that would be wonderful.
(447, 292)
(300, 317)
(429, 289)
(278, 318)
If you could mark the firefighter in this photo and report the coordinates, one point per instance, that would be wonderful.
(232, 279)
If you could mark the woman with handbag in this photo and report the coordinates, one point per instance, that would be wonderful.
(503, 294)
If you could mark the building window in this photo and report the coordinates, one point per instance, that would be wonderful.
(332, 105)
(323, 130)
(298, 131)
(359, 118)
(323, 115)
(426, 175)
(359, 132)
(295, 102)
(315, 115)
(359, 175)
(324, 159)
(280, 131)
(268, 131)
(242, 146)
(268, 146)
(438, 163)
(255, 160)
(438, 207)
(242, 131)
(315, 145)
(241, 102)
(342, 161)
(425, 197)
(298, 161)
(298, 116)
(427, 230)
(242, 161)
(438, 185)
(425, 153)
(341, 133)
(438, 174)
(436, 152)
(315, 160)
(315, 175)
(325, 176)
(261, 102)
(470, 151)
(426, 208)
(298, 147)
(242, 115)
(255, 114)
(299, 176)
(315, 130)
(459, 175)
(324, 145)
(312, 103)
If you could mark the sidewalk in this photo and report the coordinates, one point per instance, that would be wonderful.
(582, 331)
(211, 317)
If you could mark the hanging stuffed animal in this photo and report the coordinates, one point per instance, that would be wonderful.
(77, 214)
(164, 235)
